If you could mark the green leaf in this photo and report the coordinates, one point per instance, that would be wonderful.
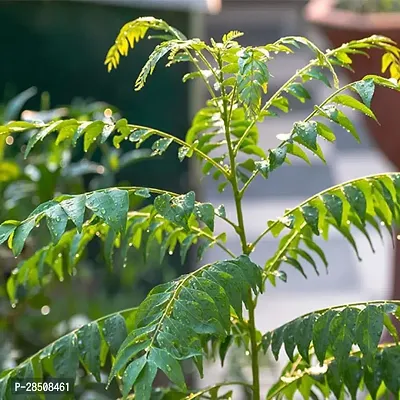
(92, 132)
(169, 365)
(266, 341)
(306, 134)
(289, 337)
(304, 335)
(348, 101)
(221, 211)
(342, 329)
(144, 382)
(40, 135)
(369, 328)
(325, 132)
(74, 207)
(111, 205)
(65, 357)
(353, 375)
(160, 146)
(125, 354)
(131, 374)
(391, 367)
(334, 380)
(298, 90)
(282, 103)
(311, 216)
(390, 327)
(317, 249)
(292, 261)
(6, 229)
(277, 341)
(334, 205)
(4, 385)
(21, 233)
(373, 377)
(114, 331)
(89, 342)
(178, 209)
(185, 246)
(122, 127)
(56, 220)
(298, 152)
(143, 192)
(315, 73)
(224, 347)
(276, 158)
(365, 89)
(356, 200)
(205, 212)
(336, 115)
(219, 297)
(321, 334)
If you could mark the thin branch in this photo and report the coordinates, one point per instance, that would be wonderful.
(214, 240)
(183, 144)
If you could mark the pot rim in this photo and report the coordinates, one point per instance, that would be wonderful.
(324, 13)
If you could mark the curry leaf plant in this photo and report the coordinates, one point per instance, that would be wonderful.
(200, 315)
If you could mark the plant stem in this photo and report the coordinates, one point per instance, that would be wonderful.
(254, 349)
(183, 144)
(242, 234)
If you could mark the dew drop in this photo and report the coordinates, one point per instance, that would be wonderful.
(13, 305)
(45, 310)
(247, 353)
(170, 252)
(130, 244)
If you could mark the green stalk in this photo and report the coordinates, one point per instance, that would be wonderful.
(242, 234)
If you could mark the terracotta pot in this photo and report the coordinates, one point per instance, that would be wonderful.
(342, 26)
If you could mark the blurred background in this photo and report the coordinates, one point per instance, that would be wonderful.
(52, 63)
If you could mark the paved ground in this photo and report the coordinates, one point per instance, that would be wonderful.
(348, 279)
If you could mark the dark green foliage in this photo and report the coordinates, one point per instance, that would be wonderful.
(324, 340)
(61, 358)
(148, 228)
